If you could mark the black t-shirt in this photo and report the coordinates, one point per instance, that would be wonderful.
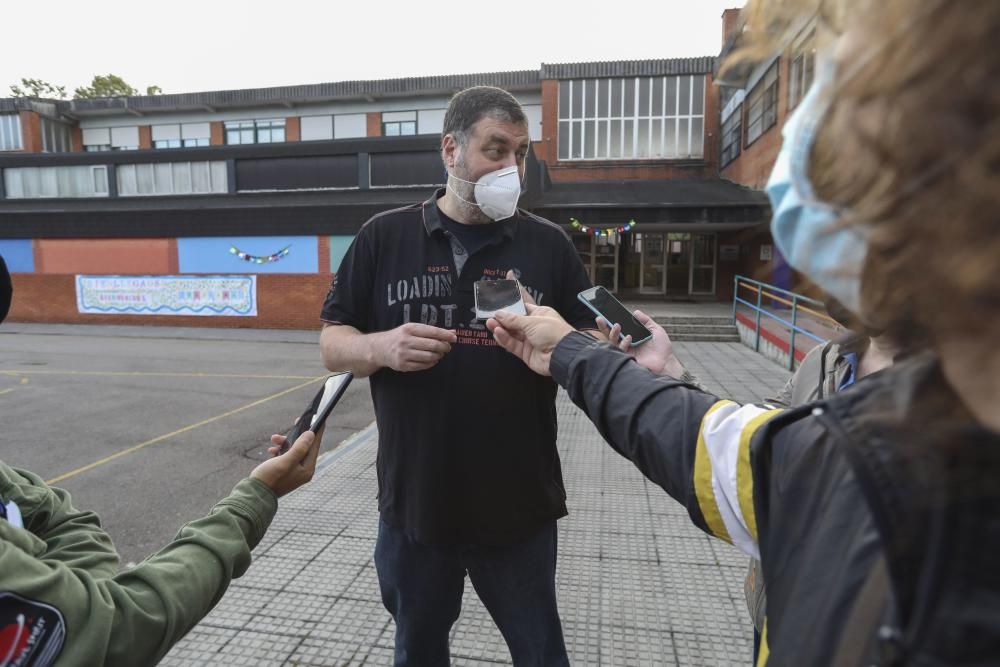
(472, 237)
(467, 449)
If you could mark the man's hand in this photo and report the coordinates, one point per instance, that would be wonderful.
(524, 293)
(531, 337)
(656, 354)
(286, 472)
(413, 347)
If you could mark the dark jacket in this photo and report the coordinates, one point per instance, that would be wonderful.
(891, 469)
(819, 376)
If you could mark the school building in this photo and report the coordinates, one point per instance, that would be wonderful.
(233, 208)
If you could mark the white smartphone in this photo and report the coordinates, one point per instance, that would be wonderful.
(613, 311)
(494, 295)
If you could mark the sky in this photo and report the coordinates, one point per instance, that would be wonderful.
(190, 46)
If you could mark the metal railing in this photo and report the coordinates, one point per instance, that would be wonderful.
(771, 293)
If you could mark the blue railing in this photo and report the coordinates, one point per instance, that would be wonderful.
(770, 293)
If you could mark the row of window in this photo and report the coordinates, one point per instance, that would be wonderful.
(762, 102)
(641, 117)
(168, 178)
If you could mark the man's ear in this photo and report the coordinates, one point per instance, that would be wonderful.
(449, 150)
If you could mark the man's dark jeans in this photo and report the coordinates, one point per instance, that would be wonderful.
(422, 588)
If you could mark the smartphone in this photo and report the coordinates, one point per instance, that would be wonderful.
(494, 295)
(613, 311)
(320, 408)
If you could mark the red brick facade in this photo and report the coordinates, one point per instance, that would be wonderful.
(374, 120)
(293, 129)
(284, 301)
(31, 132)
(217, 136)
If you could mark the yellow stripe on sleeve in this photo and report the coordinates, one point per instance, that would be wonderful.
(703, 481)
(764, 650)
(744, 475)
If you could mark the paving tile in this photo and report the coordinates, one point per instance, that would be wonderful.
(637, 583)
(256, 649)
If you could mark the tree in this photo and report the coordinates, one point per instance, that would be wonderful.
(110, 85)
(154, 90)
(38, 88)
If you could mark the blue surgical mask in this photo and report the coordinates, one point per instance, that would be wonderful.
(804, 228)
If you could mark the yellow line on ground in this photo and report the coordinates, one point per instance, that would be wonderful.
(157, 374)
(161, 438)
(6, 391)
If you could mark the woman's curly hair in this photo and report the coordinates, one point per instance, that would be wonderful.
(910, 148)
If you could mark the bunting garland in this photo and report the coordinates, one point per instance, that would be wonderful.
(606, 231)
(259, 259)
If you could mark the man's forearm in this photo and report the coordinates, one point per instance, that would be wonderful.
(344, 348)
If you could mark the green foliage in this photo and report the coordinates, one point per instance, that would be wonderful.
(38, 88)
(110, 85)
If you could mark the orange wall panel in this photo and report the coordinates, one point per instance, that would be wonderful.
(105, 256)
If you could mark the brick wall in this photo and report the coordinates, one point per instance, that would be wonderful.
(284, 301)
(374, 123)
(730, 20)
(293, 129)
(31, 132)
(217, 133)
(145, 137)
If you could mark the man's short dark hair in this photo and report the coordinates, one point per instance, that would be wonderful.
(468, 106)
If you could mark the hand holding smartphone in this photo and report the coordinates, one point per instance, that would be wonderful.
(319, 409)
(604, 304)
(494, 295)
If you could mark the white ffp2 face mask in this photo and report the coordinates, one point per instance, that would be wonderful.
(496, 192)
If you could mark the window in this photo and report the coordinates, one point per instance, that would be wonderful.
(55, 136)
(44, 182)
(172, 178)
(111, 139)
(350, 126)
(762, 105)
(399, 123)
(10, 132)
(315, 128)
(184, 135)
(802, 70)
(430, 121)
(255, 131)
(340, 126)
(634, 118)
(731, 137)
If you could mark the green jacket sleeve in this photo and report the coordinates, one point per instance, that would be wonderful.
(135, 617)
(71, 536)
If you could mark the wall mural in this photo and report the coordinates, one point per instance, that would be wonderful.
(167, 295)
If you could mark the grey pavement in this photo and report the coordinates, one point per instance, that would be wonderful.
(637, 583)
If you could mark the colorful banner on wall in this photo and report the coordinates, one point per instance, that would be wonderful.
(167, 295)
(606, 231)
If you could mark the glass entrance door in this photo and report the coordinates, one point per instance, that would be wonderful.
(678, 263)
(653, 264)
(703, 264)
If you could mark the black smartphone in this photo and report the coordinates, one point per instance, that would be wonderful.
(603, 302)
(320, 408)
(494, 295)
